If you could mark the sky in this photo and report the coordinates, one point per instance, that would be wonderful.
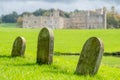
(20, 6)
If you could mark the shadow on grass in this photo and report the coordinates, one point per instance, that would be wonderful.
(57, 70)
(26, 64)
(61, 53)
(51, 68)
(45, 68)
(116, 54)
(5, 56)
(65, 71)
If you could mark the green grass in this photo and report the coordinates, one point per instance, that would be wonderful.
(8, 25)
(66, 41)
(63, 67)
(73, 40)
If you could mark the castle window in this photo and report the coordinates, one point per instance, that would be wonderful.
(50, 21)
(45, 22)
(25, 22)
(55, 22)
(35, 21)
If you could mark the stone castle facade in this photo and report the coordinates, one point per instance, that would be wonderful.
(77, 20)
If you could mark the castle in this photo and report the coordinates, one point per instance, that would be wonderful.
(77, 20)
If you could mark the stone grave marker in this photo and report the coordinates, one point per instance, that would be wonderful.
(90, 57)
(18, 47)
(45, 46)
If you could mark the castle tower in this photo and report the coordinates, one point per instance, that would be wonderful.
(99, 11)
(87, 20)
(104, 18)
(56, 13)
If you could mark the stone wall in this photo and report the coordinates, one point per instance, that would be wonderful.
(81, 19)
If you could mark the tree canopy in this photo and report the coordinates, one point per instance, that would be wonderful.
(10, 18)
(113, 18)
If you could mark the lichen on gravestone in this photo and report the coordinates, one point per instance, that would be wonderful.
(90, 57)
(19, 47)
(45, 46)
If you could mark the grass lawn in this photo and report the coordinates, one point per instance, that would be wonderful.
(66, 41)
(10, 25)
(63, 67)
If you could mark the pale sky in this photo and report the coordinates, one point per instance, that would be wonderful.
(8, 6)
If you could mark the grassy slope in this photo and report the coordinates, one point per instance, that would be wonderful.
(63, 67)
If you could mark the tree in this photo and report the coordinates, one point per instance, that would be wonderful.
(113, 10)
(0, 20)
(19, 21)
(104, 8)
(25, 13)
(76, 10)
(113, 19)
(39, 12)
(10, 18)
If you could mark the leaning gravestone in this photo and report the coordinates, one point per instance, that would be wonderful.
(45, 46)
(18, 47)
(91, 56)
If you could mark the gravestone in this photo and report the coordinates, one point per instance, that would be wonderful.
(45, 46)
(18, 47)
(90, 57)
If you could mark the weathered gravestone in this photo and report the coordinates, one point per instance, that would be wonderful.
(90, 57)
(18, 47)
(45, 46)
